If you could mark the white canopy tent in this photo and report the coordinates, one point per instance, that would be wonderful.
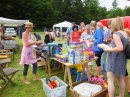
(12, 22)
(62, 24)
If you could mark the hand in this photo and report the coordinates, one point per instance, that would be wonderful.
(39, 42)
(12, 38)
(104, 41)
(107, 49)
(83, 41)
(91, 40)
(91, 44)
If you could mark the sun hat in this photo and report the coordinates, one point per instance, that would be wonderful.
(29, 24)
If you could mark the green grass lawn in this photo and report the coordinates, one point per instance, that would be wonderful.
(35, 88)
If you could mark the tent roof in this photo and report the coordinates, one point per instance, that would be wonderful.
(63, 24)
(12, 22)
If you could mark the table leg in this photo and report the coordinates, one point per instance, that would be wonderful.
(48, 65)
(65, 74)
(69, 76)
(63, 67)
(83, 72)
(88, 74)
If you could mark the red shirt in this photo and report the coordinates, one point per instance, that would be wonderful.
(75, 36)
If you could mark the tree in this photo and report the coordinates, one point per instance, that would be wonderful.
(92, 11)
(114, 4)
(127, 11)
(116, 12)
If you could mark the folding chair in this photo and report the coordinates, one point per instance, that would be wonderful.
(6, 74)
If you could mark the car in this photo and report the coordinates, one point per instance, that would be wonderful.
(10, 32)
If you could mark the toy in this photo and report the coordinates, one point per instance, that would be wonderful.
(57, 83)
(52, 84)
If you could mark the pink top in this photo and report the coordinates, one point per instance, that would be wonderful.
(27, 56)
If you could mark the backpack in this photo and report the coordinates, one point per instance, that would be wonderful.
(52, 50)
(127, 51)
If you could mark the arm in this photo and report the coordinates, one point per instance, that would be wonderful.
(128, 31)
(81, 38)
(67, 32)
(71, 36)
(118, 43)
(49, 35)
(25, 39)
(8, 37)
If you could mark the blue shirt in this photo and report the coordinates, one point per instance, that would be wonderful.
(38, 36)
(98, 39)
(68, 32)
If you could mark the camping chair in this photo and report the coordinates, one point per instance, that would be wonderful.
(6, 74)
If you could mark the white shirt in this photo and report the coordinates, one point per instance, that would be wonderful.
(86, 36)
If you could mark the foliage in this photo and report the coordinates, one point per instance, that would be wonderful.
(45, 13)
(115, 12)
(127, 11)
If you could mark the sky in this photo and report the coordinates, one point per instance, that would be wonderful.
(108, 3)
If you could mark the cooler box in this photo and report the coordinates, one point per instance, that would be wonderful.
(56, 92)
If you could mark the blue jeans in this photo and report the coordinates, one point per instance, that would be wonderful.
(104, 58)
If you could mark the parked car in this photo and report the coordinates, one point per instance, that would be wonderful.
(10, 32)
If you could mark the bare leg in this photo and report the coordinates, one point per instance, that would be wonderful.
(121, 86)
(111, 88)
(25, 80)
(35, 78)
(126, 79)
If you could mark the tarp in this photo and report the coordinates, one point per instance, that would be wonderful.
(62, 24)
(12, 22)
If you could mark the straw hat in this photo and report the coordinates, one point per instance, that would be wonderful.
(29, 24)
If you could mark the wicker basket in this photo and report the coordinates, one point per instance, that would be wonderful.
(99, 94)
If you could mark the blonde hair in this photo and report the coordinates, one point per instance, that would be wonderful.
(93, 23)
(117, 24)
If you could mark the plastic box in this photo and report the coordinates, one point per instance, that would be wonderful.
(56, 92)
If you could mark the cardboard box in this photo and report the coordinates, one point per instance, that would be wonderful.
(41, 62)
(100, 94)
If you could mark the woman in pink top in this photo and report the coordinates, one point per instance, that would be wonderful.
(75, 35)
(27, 57)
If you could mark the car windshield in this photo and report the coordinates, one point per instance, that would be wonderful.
(10, 29)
